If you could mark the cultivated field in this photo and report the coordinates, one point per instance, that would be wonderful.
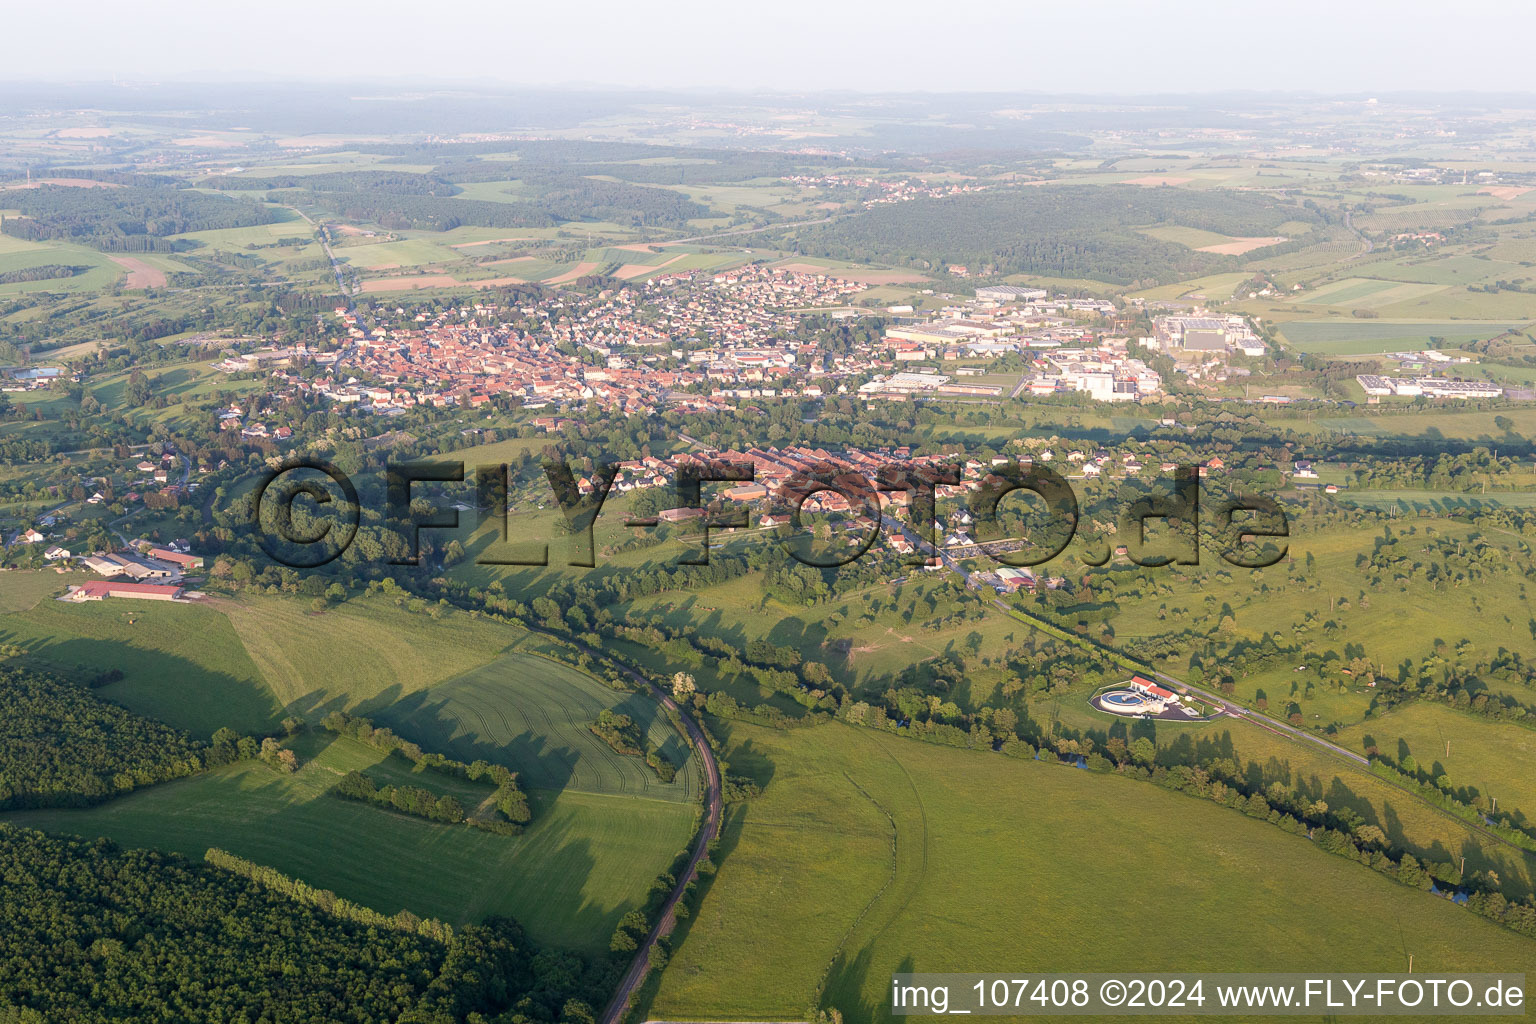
(585, 860)
(532, 714)
(359, 656)
(1490, 758)
(1346, 337)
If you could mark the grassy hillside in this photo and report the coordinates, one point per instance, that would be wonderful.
(181, 664)
(874, 854)
(532, 714)
(604, 825)
(584, 862)
(364, 654)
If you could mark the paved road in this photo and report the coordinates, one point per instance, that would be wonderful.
(1235, 710)
(326, 245)
(1370, 246)
(668, 920)
(1274, 726)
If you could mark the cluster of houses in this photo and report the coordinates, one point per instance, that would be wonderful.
(631, 348)
(699, 340)
(881, 192)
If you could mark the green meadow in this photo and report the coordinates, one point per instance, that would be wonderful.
(1489, 758)
(533, 713)
(181, 664)
(1407, 501)
(871, 854)
(1408, 421)
(1391, 623)
(361, 655)
(604, 825)
(584, 862)
(1356, 337)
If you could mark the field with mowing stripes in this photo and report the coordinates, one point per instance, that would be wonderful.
(604, 825)
(359, 656)
(1351, 337)
(1366, 293)
(583, 863)
(533, 713)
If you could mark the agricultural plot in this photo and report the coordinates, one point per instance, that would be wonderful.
(1355, 337)
(1397, 621)
(408, 252)
(1461, 302)
(1211, 241)
(1412, 501)
(1215, 287)
(18, 254)
(1428, 216)
(26, 588)
(497, 452)
(1484, 758)
(584, 861)
(1445, 269)
(1193, 238)
(1469, 425)
(239, 239)
(1365, 293)
(868, 855)
(358, 656)
(531, 714)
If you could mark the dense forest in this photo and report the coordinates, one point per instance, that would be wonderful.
(61, 746)
(399, 212)
(1073, 232)
(41, 272)
(635, 162)
(124, 219)
(400, 183)
(90, 932)
(574, 197)
(400, 201)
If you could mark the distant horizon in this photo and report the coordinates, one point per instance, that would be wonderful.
(447, 87)
(1098, 48)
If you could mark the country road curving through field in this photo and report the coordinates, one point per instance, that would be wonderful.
(710, 828)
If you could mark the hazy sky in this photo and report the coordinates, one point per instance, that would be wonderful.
(791, 45)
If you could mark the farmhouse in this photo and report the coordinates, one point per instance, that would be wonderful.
(100, 590)
(186, 561)
(117, 563)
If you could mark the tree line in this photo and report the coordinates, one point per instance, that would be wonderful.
(93, 933)
(509, 798)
